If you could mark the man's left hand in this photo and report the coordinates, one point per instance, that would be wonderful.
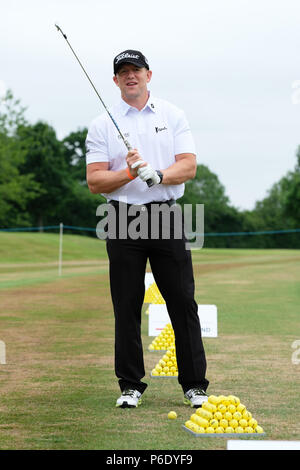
(148, 173)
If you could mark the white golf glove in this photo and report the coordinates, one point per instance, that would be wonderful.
(148, 173)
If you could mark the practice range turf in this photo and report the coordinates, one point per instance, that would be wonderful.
(58, 389)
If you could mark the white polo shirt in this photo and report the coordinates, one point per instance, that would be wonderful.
(159, 131)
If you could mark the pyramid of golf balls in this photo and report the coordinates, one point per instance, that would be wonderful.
(223, 414)
(153, 295)
(167, 365)
(164, 340)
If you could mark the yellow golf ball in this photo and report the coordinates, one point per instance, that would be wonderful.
(209, 407)
(240, 408)
(194, 427)
(172, 415)
(237, 415)
(247, 414)
(213, 399)
(200, 430)
(248, 429)
(204, 413)
(259, 429)
(222, 408)
(223, 423)
(231, 408)
(189, 423)
(239, 429)
(226, 401)
(233, 423)
(209, 430)
(221, 398)
(233, 400)
(214, 423)
(229, 430)
(252, 422)
(243, 422)
(204, 423)
(219, 430)
(218, 415)
(227, 415)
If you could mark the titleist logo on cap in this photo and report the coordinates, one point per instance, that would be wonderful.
(126, 56)
(132, 56)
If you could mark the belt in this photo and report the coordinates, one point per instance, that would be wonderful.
(170, 203)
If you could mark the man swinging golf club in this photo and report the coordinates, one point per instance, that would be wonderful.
(164, 157)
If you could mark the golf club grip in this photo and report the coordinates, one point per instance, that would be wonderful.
(149, 182)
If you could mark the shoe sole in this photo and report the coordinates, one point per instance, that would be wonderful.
(126, 405)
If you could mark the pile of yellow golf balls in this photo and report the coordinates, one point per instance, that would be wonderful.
(164, 341)
(223, 414)
(167, 365)
(153, 295)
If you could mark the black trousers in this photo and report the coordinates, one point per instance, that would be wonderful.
(171, 267)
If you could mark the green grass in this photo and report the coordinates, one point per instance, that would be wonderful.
(58, 389)
(32, 258)
(43, 247)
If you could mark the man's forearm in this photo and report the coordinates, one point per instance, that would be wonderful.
(181, 171)
(107, 181)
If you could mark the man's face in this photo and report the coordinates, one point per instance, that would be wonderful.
(132, 81)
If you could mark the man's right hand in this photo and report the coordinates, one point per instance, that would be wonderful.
(132, 159)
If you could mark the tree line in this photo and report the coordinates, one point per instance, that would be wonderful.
(43, 183)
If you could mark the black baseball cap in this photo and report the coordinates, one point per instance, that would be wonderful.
(132, 57)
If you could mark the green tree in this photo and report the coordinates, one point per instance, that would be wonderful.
(74, 154)
(79, 197)
(12, 114)
(292, 195)
(16, 189)
(44, 159)
(219, 216)
(278, 211)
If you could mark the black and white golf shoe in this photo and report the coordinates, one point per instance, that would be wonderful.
(195, 397)
(129, 399)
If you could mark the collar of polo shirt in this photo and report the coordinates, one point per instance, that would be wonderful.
(125, 107)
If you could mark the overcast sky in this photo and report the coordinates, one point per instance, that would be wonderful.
(230, 64)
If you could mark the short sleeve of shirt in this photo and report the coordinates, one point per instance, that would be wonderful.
(96, 144)
(183, 139)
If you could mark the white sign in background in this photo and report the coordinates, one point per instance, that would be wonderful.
(149, 280)
(262, 445)
(159, 317)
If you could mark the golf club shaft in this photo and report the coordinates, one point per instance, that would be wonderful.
(127, 144)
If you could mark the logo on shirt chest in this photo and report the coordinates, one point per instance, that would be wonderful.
(160, 129)
(125, 134)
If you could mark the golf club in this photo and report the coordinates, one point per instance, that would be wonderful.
(127, 144)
